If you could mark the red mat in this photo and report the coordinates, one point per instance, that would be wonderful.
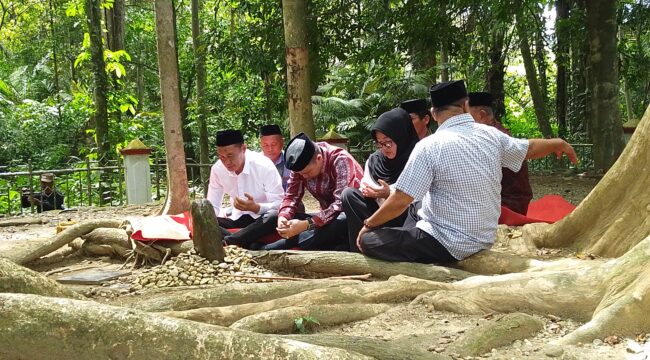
(548, 209)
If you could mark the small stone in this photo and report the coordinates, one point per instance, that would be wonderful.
(517, 344)
(173, 272)
(597, 342)
(553, 351)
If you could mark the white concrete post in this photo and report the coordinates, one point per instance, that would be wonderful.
(137, 172)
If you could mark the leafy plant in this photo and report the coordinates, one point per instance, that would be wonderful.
(306, 324)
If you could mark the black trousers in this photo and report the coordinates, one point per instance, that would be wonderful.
(404, 244)
(358, 208)
(332, 236)
(251, 229)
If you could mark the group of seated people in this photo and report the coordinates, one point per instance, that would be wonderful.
(421, 197)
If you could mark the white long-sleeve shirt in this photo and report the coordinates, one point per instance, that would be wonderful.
(259, 178)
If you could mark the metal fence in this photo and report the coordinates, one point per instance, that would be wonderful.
(85, 183)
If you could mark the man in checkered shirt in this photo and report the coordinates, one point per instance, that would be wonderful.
(456, 172)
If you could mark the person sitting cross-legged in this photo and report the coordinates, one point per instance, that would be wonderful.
(395, 137)
(456, 172)
(325, 171)
(253, 184)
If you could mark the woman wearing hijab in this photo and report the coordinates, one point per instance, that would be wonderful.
(395, 138)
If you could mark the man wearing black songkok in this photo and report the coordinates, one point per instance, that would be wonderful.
(456, 172)
(418, 110)
(325, 171)
(516, 192)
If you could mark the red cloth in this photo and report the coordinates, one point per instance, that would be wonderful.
(548, 209)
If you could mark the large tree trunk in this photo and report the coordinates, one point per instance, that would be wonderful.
(201, 78)
(606, 129)
(615, 216)
(177, 187)
(100, 116)
(88, 330)
(496, 73)
(298, 83)
(536, 92)
(561, 62)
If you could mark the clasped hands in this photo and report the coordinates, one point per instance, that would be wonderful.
(375, 192)
(290, 228)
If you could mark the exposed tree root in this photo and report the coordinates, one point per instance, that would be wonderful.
(398, 288)
(282, 320)
(488, 262)
(107, 242)
(232, 294)
(23, 221)
(612, 296)
(378, 349)
(345, 263)
(17, 279)
(25, 254)
(500, 332)
(32, 326)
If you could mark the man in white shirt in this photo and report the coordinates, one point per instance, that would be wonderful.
(456, 172)
(253, 184)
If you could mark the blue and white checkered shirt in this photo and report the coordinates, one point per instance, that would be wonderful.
(456, 172)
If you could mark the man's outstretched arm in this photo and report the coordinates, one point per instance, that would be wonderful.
(538, 148)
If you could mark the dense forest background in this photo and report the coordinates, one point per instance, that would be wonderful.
(79, 79)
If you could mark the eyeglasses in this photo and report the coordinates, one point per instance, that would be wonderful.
(386, 144)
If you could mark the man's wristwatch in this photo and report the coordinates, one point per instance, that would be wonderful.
(310, 224)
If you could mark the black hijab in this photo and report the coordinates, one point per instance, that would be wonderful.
(397, 125)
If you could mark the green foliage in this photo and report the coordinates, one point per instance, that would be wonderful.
(305, 324)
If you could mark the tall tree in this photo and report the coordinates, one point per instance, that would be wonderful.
(536, 92)
(561, 61)
(115, 17)
(605, 128)
(202, 110)
(177, 192)
(100, 116)
(497, 70)
(298, 83)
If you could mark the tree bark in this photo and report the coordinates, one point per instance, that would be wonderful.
(605, 119)
(207, 237)
(496, 73)
(88, 330)
(345, 263)
(281, 321)
(298, 83)
(611, 296)
(201, 78)
(561, 62)
(232, 294)
(615, 216)
(100, 91)
(396, 289)
(533, 84)
(17, 279)
(177, 186)
(26, 254)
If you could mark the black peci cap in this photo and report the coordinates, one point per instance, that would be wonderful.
(299, 152)
(229, 137)
(271, 129)
(480, 99)
(447, 92)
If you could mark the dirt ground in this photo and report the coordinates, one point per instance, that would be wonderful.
(434, 330)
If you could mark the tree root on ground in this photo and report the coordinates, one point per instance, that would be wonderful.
(376, 348)
(397, 288)
(282, 320)
(613, 297)
(88, 330)
(23, 221)
(345, 263)
(232, 294)
(17, 279)
(25, 254)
